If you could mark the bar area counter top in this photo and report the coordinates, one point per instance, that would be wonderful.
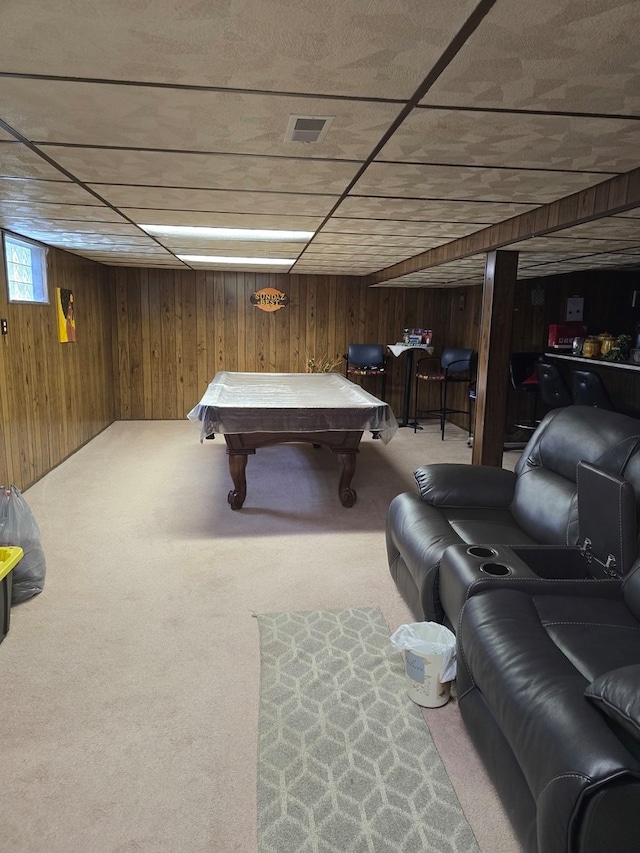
(583, 361)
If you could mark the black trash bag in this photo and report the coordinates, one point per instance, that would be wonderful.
(18, 526)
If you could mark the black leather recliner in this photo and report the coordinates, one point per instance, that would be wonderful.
(549, 689)
(535, 504)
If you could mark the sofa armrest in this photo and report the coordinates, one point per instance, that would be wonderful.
(617, 694)
(572, 587)
(454, 484)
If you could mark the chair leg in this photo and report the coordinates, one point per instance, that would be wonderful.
(443, 407)
(415, 406)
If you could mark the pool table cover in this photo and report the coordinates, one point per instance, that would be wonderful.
(236, 402)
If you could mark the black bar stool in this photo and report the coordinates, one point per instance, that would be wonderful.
(367, 360)
(453, 366)
(552, 389)
(588, 389)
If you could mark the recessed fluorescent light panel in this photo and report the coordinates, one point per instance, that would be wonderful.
(227, 233)
(221, 259)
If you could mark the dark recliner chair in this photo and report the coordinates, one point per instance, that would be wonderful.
(548, 687)
(535, 504)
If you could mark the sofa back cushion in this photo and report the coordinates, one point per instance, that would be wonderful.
(545, 500)
(545, 506)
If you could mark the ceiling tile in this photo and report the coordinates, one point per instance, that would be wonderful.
(426, 210)
(524, 141)
(342, 239)
(182, 199)
(77, 214)
(449, 182)
(57, 192)
(19, 161)
(380, 227)
(549, 55)
(564, 245)
(338, 47)
(198, 171)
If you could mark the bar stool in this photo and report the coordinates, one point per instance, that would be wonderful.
(524, 380)
(454, 366)
(367, 360)
(588, 389)
(553, 390)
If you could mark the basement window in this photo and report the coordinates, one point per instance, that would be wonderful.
(26, 268)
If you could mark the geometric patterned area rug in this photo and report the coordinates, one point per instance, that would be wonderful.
(346, 762)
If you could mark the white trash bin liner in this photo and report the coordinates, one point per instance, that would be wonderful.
(430, 661)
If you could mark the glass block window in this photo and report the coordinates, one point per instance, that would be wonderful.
(26, 269)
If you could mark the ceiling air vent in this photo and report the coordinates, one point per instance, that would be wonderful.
(307, 128)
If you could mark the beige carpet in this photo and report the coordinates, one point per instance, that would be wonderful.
(131, 684)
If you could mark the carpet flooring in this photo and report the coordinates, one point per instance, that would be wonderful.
(345, 760)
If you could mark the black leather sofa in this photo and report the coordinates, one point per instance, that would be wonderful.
(549, 689)
(548, 644)
(536, 504)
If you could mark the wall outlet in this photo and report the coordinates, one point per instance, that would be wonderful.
(4, 327)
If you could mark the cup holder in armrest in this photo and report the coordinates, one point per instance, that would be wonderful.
(497, 570)
(481, 551)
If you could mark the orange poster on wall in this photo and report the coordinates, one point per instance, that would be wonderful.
(66, 315)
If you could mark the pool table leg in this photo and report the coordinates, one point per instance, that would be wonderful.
(237, 468)
(348, 464)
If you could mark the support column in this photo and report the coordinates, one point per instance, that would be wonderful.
(500, 277)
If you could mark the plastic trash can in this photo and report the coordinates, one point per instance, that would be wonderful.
(429, 659)
(9, 557)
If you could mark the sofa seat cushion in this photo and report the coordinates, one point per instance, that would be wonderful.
(560, 741)
(489, 526)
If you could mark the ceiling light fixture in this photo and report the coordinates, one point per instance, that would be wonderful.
(221, 259)
(227, 233)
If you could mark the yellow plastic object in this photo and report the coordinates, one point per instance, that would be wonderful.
(10, 556)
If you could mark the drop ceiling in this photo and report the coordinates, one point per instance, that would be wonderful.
(447, 118)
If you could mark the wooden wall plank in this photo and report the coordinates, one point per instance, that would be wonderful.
(203, 378)
(145, 343)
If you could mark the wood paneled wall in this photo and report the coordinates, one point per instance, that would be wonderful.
(149, 341)
(54, 396)
(176, 329)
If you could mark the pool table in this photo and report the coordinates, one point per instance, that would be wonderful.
(253, 410)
